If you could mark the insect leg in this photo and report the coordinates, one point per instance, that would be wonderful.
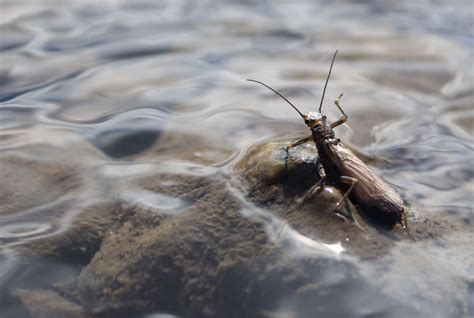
(299, 142)
(296, 143)
(344, 117)
(405, 226)
(346, 180)
(320, 184)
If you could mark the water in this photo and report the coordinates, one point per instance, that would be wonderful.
(88, 89)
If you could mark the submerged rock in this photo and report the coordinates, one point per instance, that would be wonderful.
(210, 260)
(215, 255)
(48, 304)
(280, 180)
(273, 174)
(37, 174)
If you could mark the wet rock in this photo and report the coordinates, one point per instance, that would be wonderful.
(36, 200)
(212, 257)
(197, 261)
(176, 146)
(279, 181)
(48, 304)
(120, 143)
(30, 184)
(171, 266)
(270, 164)
(79, 242)
(276, 285)
(36, 173)
(272, 175)
(210, 260)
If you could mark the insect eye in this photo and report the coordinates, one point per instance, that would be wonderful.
(324, 117)
(306, 121)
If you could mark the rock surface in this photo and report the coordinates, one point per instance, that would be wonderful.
(215, 255)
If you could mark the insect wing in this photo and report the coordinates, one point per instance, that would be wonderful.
(369, 186)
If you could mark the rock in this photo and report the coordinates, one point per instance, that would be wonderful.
(211, 260)
(48, 304)
(37, 174)
(83, 237)
(279, 181)
(213, 256)
(44, 184)
(270, 164)
(171, 266)
(273, 176)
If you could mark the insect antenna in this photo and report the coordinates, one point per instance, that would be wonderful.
(327, 80)
(251, 80)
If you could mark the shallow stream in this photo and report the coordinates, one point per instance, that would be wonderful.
(87, 89)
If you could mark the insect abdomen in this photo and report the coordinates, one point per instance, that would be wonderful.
(382, 211)
(374, 196)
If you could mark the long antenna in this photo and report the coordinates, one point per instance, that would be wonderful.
(327, 80)
(251, 80)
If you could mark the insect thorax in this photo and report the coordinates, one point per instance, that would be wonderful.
(322, 131)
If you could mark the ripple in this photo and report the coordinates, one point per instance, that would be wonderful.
(154, 201)
(23, 230)
(95, 98)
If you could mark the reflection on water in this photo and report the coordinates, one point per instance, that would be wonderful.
(95, 97)
(18, 230)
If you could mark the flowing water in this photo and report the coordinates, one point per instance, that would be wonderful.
(88, 87)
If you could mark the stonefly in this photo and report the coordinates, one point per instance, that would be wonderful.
(375, 197)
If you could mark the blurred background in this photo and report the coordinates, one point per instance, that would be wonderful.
(88, 87)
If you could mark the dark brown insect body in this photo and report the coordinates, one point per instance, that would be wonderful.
(374, 196)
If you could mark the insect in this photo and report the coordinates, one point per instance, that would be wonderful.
(374, 196)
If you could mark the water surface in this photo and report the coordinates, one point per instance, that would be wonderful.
(87, 89)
